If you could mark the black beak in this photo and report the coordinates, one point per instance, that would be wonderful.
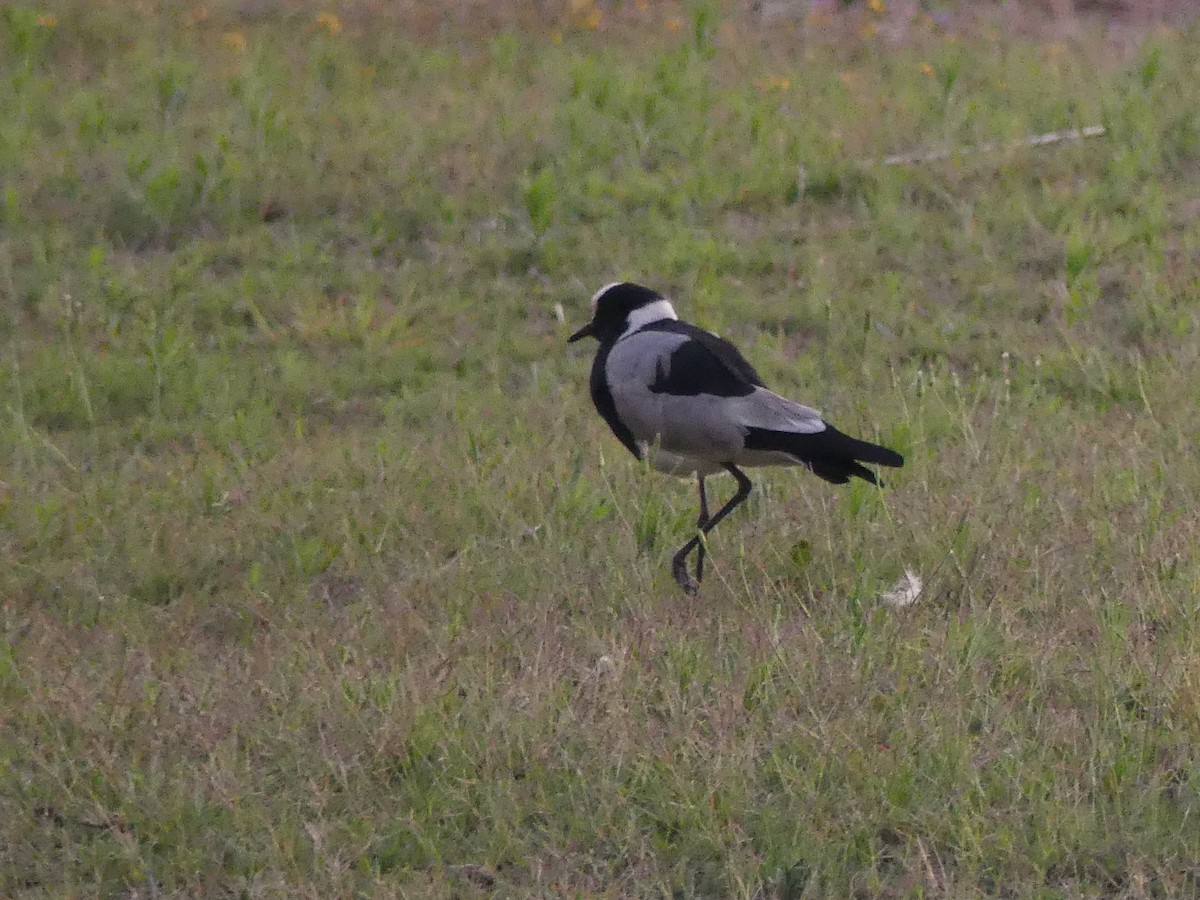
(585, 331)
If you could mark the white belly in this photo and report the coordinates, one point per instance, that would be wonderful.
(678, 464)
(682, 466)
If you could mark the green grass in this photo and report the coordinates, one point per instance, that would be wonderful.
(320, 576)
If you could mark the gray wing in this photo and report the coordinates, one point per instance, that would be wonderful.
(702, 425)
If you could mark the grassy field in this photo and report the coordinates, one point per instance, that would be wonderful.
(321, 577)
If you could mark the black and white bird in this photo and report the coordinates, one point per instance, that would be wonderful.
(688, 402)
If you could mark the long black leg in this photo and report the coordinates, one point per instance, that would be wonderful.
(679, 561)
(700, 523)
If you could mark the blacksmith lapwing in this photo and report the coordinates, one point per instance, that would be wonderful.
(688, 402)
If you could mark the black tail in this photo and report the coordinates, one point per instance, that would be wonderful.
(829, 454)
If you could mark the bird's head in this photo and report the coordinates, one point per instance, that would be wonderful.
(623, 307)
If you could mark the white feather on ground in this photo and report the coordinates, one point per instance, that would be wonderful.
(904, 592)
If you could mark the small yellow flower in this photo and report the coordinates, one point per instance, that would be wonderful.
(47, 21)
(774, 83)
(877, 6)
(331, 23)
(234, 40)
(674, 23)
(585, 13)
(819, 16)
(927, 69)
(641, 5)
(556, 37)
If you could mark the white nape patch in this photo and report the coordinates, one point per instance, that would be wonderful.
(651, 312)
(600, 293)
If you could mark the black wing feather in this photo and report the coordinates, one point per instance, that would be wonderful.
(705, 364)
(692, 369)
(830, 454)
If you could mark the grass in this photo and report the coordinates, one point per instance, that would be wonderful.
(320, 577)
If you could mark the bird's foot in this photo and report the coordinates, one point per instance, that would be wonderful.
(683, 577)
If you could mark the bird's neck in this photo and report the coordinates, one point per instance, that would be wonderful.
(651, 312)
